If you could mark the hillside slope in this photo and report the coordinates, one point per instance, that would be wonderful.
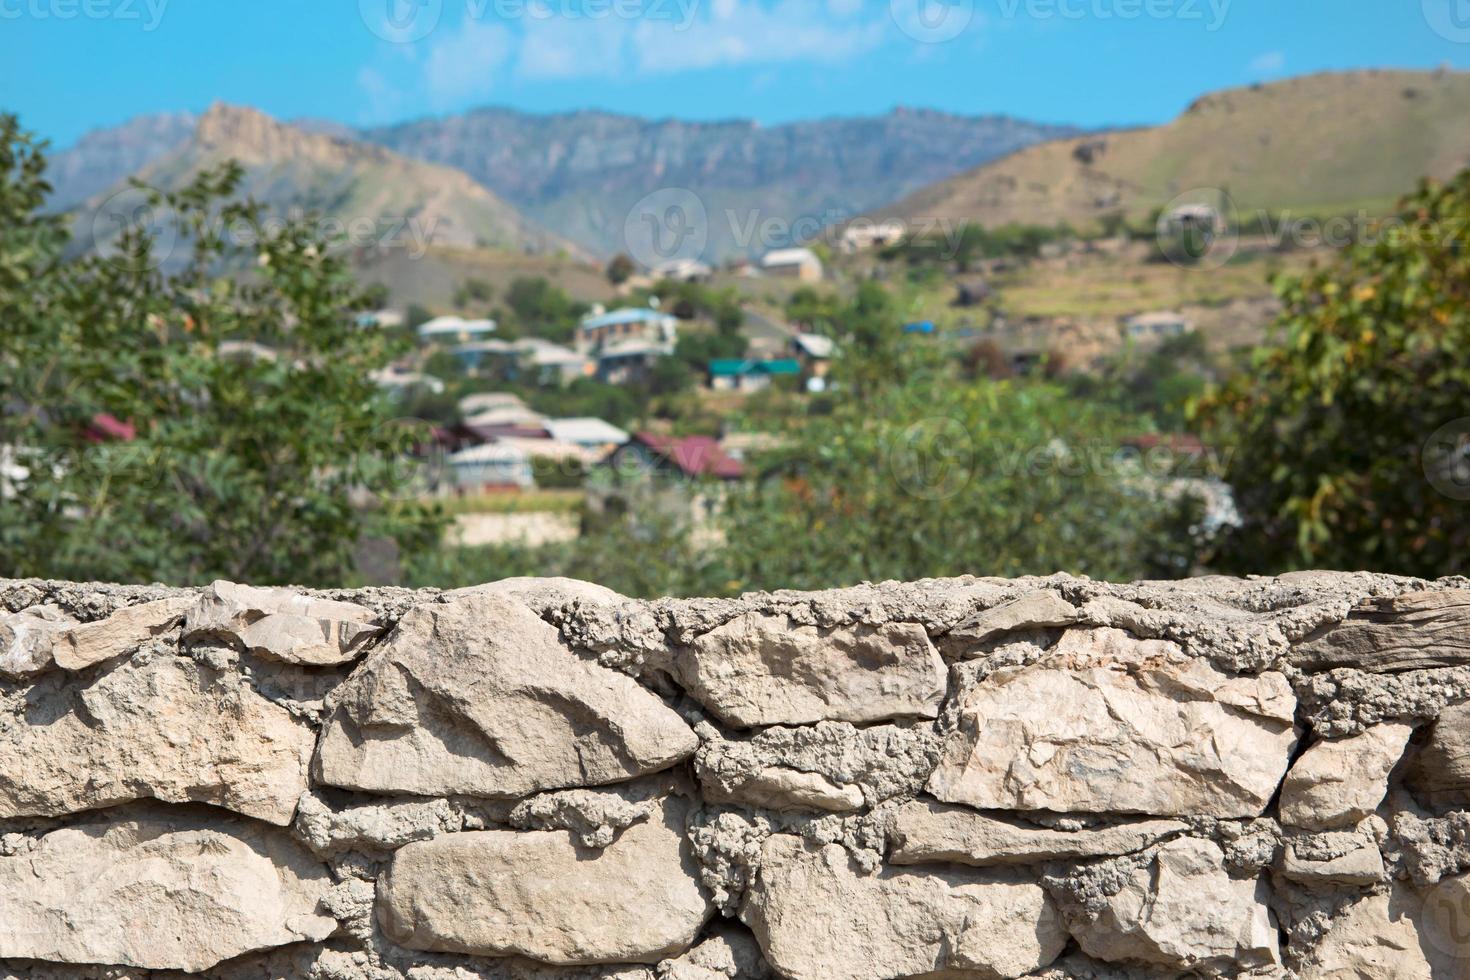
(377, 197)
(1323, 144)
(582, 173)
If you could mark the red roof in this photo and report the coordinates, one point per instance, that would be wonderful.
(693, 455)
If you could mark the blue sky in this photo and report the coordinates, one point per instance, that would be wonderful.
(67, 66)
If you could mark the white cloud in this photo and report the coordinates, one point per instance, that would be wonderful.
(572, 47)
(1269, 63)
(742, 32)
(462, 64)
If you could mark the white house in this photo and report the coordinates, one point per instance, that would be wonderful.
(452, 329)
(491, 466)
(1157, 326)
(683, 270)
(793, 263)
(647, 325)
(594, 436)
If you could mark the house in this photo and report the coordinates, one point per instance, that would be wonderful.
(486, 401)
(1157, 326)
(454, 329)
(399, 383)
(385, 319)
(652, 326)
(594, 437)
(687, 458)
(683, 270)
(490, 467)
(629, 361)
(864, 234)
(924, 327)
(749, 375)
(532, 359)
(814, 352)
(793, 263)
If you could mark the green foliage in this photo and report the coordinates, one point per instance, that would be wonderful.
(934, 477)
(1329, 427)
(261, 468)
(537, 308)
(968, 243)
(1159, 384)
(620, 269)
(474, 292)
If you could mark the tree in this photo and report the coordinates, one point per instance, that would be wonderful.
(543, 310)
(932, 476)
(620, 269)
(1347, 434)
(261, 449)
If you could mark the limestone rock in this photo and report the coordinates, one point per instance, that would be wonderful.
(730, 954)
(1338, 783)
(1444, 926)
(545, 595)
(27, 639)
(164, 890)
(162, 727)
(1043, 609)
(479, 697)
(831, 766)
(1334, 859)
(123, 632)
(1181, 910)
(761, 670)
(1440, 776)
(1375, 940)
(1407, 632)
(933, 833)
(539, 895)
(283, 625)
(817, 917)
(1106, 723)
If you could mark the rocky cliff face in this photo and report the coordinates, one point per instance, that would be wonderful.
(535, 779)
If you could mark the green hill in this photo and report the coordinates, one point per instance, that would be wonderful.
(1323, 144)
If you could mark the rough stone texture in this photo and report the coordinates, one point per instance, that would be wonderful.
(1375, 940)
(542, 780)
(766, 670)
(1441, 774)
(1179, 909)
(540, 895)
(163, 727)
(1334, 859)
(1391, 634)
(1107, 723)
(930, 833)
(27, 639)
(818, 917)
(160, 889)
(1034, 610)
(479, 697)
(123, 632)
(1337, 783)
(283, 625)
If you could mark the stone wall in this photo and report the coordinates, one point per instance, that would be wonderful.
(969, 778)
